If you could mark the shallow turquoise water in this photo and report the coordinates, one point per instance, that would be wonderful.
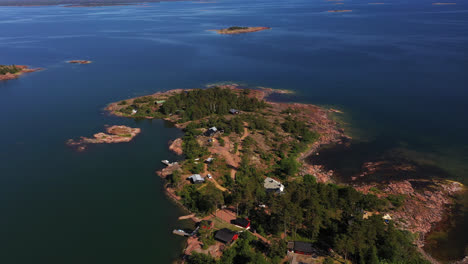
(398, 70)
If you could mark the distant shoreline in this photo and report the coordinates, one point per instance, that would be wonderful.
(77, 3)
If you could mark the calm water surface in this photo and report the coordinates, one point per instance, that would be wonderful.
(398, 70)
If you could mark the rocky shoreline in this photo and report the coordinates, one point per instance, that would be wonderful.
(422, 199)
(425, 202)
(114, 134)
(23, 69)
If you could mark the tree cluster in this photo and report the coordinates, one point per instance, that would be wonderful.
(190, 146)
(299, 129)
(203, 201)
(199, 103)
(331, 216)
(4, 69)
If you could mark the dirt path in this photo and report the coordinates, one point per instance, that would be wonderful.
(246, 131)
(260, 237)
(246, 134)
(214, 181)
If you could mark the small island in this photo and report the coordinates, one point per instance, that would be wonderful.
(444, 3)
(240, 30)
(340, 11)
(9, 72)
(247, 168)
(79, 61)
(115, 134)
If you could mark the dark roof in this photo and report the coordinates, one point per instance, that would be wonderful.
(303, 247)
(241, 222)
(225, 235)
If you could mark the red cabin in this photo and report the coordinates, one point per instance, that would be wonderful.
(241, 222)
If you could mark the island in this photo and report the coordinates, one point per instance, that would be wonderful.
(115, 134)
(240, 30)
(444, 3)
(340, 11)
(248, 183)
(9, 72)
(79, 61)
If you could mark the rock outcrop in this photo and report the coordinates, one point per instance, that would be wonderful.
(115, 134)
(23, 69)
(240, 30)
(425, 202)
(176, 146)
(79, 61)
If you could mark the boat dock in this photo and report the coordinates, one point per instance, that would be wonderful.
(168, 163)
(181, 232)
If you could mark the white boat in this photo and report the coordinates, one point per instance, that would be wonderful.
(165, 162)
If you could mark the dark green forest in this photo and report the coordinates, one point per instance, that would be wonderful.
(196, 104)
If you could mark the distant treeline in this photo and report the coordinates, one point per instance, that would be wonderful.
(4, 69)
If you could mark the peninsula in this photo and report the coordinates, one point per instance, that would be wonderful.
(9, 72)
(240, 30)
(245, 179)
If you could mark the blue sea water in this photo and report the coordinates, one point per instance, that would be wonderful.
(398, 70)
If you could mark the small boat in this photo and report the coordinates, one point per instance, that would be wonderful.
(165, 162)
(180, 232)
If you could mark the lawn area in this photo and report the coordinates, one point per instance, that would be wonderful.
(219, 224)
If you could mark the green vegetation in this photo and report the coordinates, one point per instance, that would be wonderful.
(331, 216)
(328, 260)
(299, 129)
(221, 141)
(327, 215)
(4, 69)
(236, 28)
(190, 145)
(196, 104)
(233, 125)
(396, 200)
(202, 200)
(258, 122)
(206, 236)
(198, 258)
(243, 251)
(175, 178)
(247, 249)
